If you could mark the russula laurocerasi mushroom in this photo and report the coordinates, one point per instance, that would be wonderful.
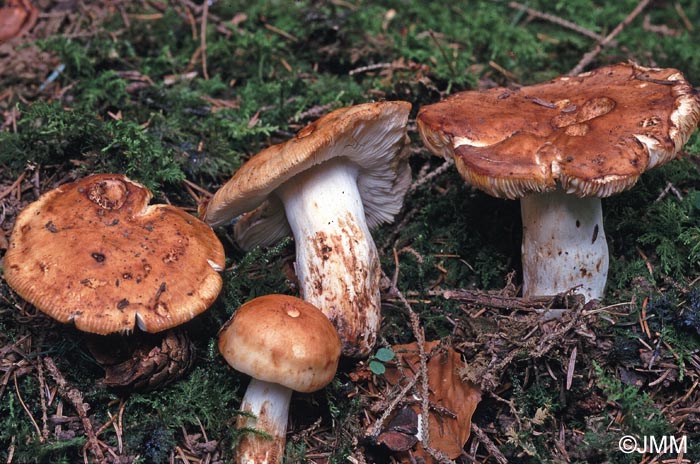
(92, 252)
(560, 146)
(285, 344)
(337, 178)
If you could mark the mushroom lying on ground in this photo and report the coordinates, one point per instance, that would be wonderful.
(284, 344)
(559, 147)
(337, 178)
(93, 253)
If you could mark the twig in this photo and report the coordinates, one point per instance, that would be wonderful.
(590, 56)
(423, 364)
(681, 12)
(369, 67)
(497, 301)
(203, 39)
(669, 188)
(198, 188)
(393, 236)
(26, 409)
(11, 450)
(444, 55)
(14, 185)
(75, 397)
(571, 368)
(375, 429)
(490, 447)
(42, 387)
(433, 174)
(281, 32)
(561, 22)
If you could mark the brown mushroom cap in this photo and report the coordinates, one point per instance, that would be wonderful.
(593, 134)
(371, 136)
(284, 340)
(94, 253)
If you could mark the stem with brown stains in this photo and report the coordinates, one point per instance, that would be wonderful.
(337, 263)
(268, 405)
(564, 245)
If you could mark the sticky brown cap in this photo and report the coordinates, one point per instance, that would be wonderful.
(92, 252)
(284, 340)
(593, 134)
(372, 136)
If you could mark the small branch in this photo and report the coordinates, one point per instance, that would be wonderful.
(203, 39)
(537, 303)
(561, 22)
(444, 55)
(423, 362)
(376, 428)
(590, 56)
(42, 398)
(14, 185)
(490, 447)
(75, 397)
(26, 409)
(433, 174)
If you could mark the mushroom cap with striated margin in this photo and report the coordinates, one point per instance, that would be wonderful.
(593, 134)
(284, 340)
(93, 252)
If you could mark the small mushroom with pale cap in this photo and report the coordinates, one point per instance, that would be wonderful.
(338, 177)
(560, 146)
(285, 344)
(94, 253)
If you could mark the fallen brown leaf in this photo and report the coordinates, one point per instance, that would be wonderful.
(452, 401)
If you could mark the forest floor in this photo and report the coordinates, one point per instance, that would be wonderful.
(177, 94)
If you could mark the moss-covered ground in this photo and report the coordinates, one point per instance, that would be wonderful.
(177, 94)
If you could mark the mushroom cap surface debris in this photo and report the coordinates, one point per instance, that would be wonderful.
(593, 134)
(284, 340)
(93, 252)
(371, 136)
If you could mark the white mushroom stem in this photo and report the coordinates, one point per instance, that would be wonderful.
(336, 260)
(564, 245)
(269, 404)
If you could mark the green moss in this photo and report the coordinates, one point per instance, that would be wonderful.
(133, 99)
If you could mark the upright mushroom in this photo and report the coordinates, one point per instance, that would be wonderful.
(337, 178)
(93, 253)
(285, 345)
(559, 147)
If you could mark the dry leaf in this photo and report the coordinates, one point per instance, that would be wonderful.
(452, 401)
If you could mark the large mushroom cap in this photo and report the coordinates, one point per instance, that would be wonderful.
(593, 134)
(371, 136)
(284, 340)
(92, 252)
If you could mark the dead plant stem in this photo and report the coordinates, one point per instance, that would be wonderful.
(75, 397)
(560, 21)
(203, 39)
(590, 56)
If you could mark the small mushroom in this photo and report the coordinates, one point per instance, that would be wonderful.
(338, 177)
(93, 253)
(559, 147)
(285, 344)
